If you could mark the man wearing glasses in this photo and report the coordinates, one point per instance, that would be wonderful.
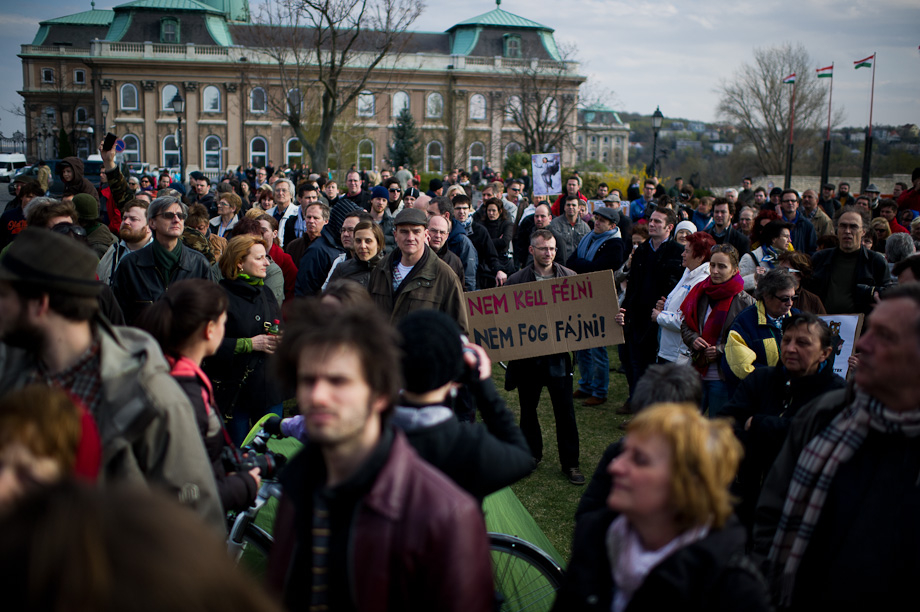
(515, 203)
(144, 275)
(804, 237)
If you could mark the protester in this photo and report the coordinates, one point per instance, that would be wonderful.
(228, 209)
(501, 231)
(667, 539)
(368, 244)
(775, 239)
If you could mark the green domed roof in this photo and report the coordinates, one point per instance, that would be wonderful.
(500, 18)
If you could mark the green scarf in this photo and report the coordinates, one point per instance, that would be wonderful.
(255, 281)
(165, 261)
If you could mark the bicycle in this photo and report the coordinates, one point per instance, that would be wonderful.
(525, 577)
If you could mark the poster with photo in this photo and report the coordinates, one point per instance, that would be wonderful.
(846, 329)
(547, 174)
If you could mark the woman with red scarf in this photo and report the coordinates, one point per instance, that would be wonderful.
(709, 311)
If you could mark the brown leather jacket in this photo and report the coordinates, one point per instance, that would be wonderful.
(417, 541)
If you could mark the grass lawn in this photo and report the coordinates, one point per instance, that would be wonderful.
(547, 494)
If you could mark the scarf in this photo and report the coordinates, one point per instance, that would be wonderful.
(814, 473)
(720, 299)
(592, 243)
(300, 225)
(631, 563)
(255, 281)
(165, 261)
(769, 256)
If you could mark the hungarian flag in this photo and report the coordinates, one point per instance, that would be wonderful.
(789, 79)
(864, 63)
(826, 72)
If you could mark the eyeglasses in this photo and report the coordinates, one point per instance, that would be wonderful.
(172, 215)
(395, 190)
(347, 230)
(69, 229)
(514, 189)
(438, 232)
(786, 299)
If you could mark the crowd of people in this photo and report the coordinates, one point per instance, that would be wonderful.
(145, 329)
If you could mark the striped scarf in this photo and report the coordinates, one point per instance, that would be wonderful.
(814, 472)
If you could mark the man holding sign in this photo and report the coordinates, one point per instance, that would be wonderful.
(554, 372)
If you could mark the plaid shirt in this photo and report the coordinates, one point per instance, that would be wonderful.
(83, 380)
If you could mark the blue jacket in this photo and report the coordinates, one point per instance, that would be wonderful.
(316, 263)
(759, 336)
(637, 209)
(804, 236)
(460, 245)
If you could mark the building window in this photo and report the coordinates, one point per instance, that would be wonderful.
(594, 140)
(434, 106)
(80, 115)
(513, 109)
(549, 110)
(606, 139)
(257, 101)
(83, 148)
(79, 77)
(132, 152)
(170, 152)
(511, 148)
(477, 107)
(47, 75)
(434, 161)
(366, 155)
(580, 139)
(293, 152)
(619, 141)
(128, 97)
(169, 30)
(512, 45)
(212, 153)
(366, 104)
(210, 99)
(294, 102)
(169, 92)
(477, 155)
(258, 152)
(400, 102)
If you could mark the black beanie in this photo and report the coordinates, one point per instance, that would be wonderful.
(431, 349)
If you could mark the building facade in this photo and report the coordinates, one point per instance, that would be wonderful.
(119, 70)
(602, 136)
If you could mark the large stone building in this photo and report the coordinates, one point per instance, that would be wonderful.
(603, 137)
(119, 70)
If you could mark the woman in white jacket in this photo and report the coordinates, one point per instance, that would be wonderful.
(667, 314)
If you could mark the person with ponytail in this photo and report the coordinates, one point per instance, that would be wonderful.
(242, 384)
(709, 311)
(188, 323)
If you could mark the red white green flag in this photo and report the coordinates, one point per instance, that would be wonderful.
(826, 72)
(789, 79)
(864, 63)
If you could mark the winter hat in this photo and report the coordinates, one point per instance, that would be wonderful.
(87, 207)
(55, 263)
(380, 192)
(412, 192)
(435, 184)
(686, 225)
(432, 354)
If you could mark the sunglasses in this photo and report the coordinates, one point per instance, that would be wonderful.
(172, 215)
(69, 229)
(395, 190)
(788, 298)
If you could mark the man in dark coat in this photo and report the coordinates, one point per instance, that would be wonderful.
(721, 229)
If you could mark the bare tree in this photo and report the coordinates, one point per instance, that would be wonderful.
(542, 103)
(324, 51)
(757, 102)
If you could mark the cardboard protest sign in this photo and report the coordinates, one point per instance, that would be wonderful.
(545, 317)
(547, 173)
(595, 204)
(846, 329)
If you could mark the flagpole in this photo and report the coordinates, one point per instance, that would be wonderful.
(787, 183)
(867, 155)
(826, 159)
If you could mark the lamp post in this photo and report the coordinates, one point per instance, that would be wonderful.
(657, 118)
(178, 106)
(104, 106)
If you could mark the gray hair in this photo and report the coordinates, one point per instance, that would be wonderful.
(157, 207)
(775, 281)
(899, 247)
(289, 182)
(669, 382)
(732, 191)
(34, 203)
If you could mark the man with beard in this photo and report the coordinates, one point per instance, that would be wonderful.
(53, 335)
(354, 192)
(134, 234)
(438, 231)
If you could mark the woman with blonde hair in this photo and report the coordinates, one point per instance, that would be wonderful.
(242, 385)
(667, 539)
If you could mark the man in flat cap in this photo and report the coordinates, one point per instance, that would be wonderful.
(52, 334)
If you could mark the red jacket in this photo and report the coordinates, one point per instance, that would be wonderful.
(910, 199)
(557, 205)
(417, 541)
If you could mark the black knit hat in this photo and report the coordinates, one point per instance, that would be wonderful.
(51, 261)
(431, 349)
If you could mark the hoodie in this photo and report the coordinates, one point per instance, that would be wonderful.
(78, 184)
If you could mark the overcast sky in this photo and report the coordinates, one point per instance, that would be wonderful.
(651, 53)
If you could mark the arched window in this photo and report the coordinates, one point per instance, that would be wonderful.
(400, 102)
(210, 99)
(293, 152)
(170, 152)
(513, 108)
(434, 106)
(132, 152)
(511, 148)
(294, 102)
(549, 111)
(80, 115)
(434, 157)
(366, 104)
(212, 153)
(258, 103)
(169, 92)
(477, 155)
(477, 107)
(258, 152)
(366, 155)
(128, 97)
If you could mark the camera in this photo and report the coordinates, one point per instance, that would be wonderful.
(253, 455)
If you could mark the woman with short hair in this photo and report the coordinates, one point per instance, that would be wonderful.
(228, 207)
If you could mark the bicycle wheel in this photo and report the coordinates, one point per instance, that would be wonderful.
(525, 577)
(257, 544)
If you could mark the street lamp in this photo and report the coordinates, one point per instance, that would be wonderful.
(657, 118)
(104, 105)
(178, 106)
